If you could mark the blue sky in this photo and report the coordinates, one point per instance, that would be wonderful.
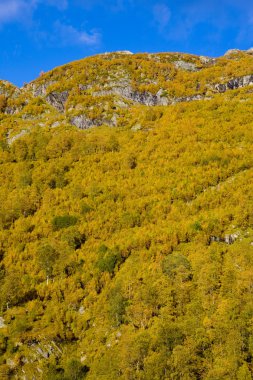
(37, 35)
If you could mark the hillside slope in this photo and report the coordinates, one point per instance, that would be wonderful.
(126, 222)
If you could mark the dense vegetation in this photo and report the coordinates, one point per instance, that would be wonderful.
(127, 252)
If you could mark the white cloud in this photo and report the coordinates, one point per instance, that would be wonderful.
(68, 35)
(13, 10)
(22, 10)
(162, 15)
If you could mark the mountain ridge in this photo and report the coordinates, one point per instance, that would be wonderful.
(126, 247)
(114, 82)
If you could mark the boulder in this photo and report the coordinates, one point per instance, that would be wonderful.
(83, 122)
(231, 52)
(230, 239)
(58, 100)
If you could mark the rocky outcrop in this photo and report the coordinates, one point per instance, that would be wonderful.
(82, 122)
(10, 140)
(189, 98)
(58, 100)
(228, 239)
(118, 83)
(43, 350)
(8, 89)
(84, 87)
(231, 52)
(145, 98)
(123, 52)
(55, 99)
(235, 83)
(237, 51)
(39, 90)
(37, 352)
(161, 98)
(206, 60)
(12, 110)
(184, 65)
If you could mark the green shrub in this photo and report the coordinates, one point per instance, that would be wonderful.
(108, 259)
(196, 226)
(85, 208)
(175, 263)
(117, 305)
(46, 258)
(64, 221)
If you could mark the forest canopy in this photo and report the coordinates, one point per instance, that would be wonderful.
(126, 251)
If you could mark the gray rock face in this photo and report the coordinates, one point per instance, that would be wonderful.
(231, 52)
(205, 60)
(12, 110)
(228, 239)
(8, 89)
(10, 140)
(56, 124)
(82, 122)
(84, 87)
(216, 239)
(234, 83)
(188, 66)
(44, 350)
(145, 98)
(40, 90)
(189, 98)
(58, 99)
(125, 52)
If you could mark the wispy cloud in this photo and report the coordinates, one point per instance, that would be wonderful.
(223, 16)
(22, 10)
(68, 35)
(162, 15)
(15, 10)
(217, 19)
